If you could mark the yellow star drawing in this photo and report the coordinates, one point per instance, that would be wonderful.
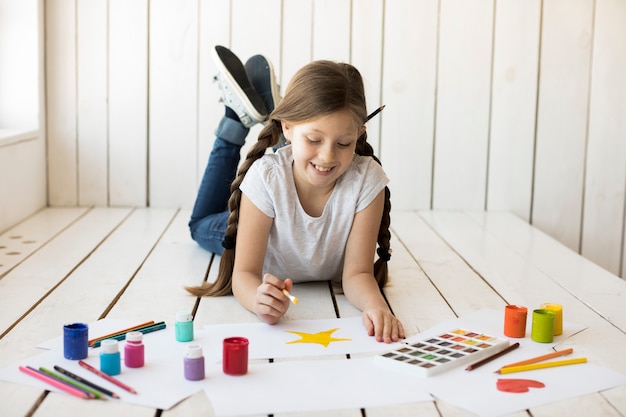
(322, 338)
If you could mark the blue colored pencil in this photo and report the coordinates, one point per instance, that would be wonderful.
(148, 329)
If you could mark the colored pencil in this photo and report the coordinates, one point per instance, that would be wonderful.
(375, 112)
(492, 357)
(117, 333)
(86, 382)
(55, 382)
(70, 381)
(542, 365)
(291, 297)
(107, 377)
(539, 358)
(146, 329)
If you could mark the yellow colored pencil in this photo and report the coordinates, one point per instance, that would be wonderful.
(541, 358)
(533, 366)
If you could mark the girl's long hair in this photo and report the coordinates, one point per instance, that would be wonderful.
(318, 89)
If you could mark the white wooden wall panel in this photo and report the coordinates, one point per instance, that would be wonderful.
(19, 78)
(297, 37)
(256, 30)
(562, 119)
(23, 179)
(214, 30)
(28, 173)
(61, 102)
(409, 93)
(367, 57)
(605, 180)
(463, 96)
(331, 29)
(92, 122)
(495, 104)
(128, 102)
(173, 59)
(513, 109)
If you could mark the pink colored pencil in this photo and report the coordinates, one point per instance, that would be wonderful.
(107, 377)
(55, 382)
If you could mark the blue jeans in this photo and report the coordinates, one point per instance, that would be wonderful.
(209, 217)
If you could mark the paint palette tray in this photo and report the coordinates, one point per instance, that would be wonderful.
(432, 355)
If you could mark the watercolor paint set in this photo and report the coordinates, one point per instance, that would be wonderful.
(432, 355)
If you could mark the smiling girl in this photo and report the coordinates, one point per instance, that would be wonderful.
(314, 210)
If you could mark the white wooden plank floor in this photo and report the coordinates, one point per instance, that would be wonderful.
(68, 264)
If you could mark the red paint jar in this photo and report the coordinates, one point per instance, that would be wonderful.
(235, 356)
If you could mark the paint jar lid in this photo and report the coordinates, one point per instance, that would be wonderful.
(183, 316)
(134, 337)
(109, 346)
(193, 351)
(235, 343)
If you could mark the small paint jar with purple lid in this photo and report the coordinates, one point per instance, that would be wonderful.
(194, 363)
(134, 350)
(110, 360)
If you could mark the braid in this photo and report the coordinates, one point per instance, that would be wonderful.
(381, 271)
(268, 137)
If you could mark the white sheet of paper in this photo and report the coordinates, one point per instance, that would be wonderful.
(324, 384)
(476, 391)
(276, 341)
(160, 383)
(309, 385)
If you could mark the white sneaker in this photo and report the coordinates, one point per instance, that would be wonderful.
(237, 91)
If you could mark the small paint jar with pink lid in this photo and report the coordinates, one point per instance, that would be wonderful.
(134, 350)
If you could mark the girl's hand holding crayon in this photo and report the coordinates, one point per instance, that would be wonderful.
(270, 302)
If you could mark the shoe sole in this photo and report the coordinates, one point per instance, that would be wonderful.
(240, 94)
(261, 74)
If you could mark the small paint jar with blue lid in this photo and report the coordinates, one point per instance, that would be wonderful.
(184, 326)
(194, 363)
(110, 359)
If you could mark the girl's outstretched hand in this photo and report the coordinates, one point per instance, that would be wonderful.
(383, 325)
(270, 303)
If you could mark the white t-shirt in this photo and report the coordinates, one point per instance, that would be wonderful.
(302, 247)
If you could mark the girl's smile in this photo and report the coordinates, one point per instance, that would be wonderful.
(322, 149)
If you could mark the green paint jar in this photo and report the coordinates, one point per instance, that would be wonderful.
(183, 328)
(543, 326)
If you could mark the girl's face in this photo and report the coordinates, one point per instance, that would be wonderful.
(323, 148)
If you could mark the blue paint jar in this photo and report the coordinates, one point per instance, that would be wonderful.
(75, 341)
(110, 359)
